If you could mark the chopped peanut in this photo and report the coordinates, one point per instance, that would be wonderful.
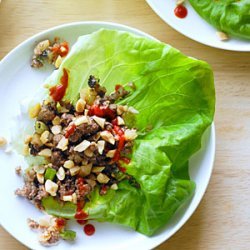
(74, 198)
(85, 170)
(121, 109)
(36, 140)
(60, 174)
(68, 164)
(44, 222)
(120, 121)
(28, 139)
(63, 144)
(100, 146)
(130, 134)
(107, 136)
(34, 111)
(56, 120)
(51, 187)
(99, 121)
(80, 105)
(80, 120)
(88, 152)
(179, 2)
(45, 137)
(133, 110)
(84, 94)
(97, 169)
(114, 186)
(102, 178)
(111, 153)
(40, 169)
(82, 146)
(45, 152)
(26, 150)
(58, 61)
(67, 198)
(74, 170)
(42, 46)
(56, 129)
(3, 141)
(40, 178)
(223, 36)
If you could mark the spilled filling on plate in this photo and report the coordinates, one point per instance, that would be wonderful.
(51, 52)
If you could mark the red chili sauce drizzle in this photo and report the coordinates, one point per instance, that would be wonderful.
(89, 229)
(103, 190)
(117, 87)
(80, 214)
(121, 142)
(181, 11)
(70, 130)
(62, 49)
(102, 112)
(57, 92)
(60, 223)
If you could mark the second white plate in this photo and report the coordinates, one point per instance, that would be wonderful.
(194, 27)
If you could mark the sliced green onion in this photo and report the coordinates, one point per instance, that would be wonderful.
(40, 127)
(68, 235)
(50, 174)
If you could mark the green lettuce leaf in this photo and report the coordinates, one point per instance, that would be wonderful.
(175, 98)
(230, 16)
(53, 207)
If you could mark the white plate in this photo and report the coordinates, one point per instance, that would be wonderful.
(194, 27)
(18, 80)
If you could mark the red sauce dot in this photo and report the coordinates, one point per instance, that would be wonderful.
(60, 223)
(89, 229)
(82, 222)
(180, 11)
(125, 160)
(80, 215)
(117, 87)
(122, 169)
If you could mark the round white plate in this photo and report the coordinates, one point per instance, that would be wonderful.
(18, 81)
(194, 27)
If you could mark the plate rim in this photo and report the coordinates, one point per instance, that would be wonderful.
(118, 26)
(176, 28)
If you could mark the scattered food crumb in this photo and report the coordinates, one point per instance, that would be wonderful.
(223, 36)
(32, 224)
(179, 2)
(51, 230)
(3, 141)
(18, 170)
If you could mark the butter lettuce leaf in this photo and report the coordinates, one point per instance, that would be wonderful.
(53, 207)
(230, 16)
(175, 98)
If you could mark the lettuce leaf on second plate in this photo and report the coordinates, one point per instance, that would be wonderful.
(175, 98)
(230, 16)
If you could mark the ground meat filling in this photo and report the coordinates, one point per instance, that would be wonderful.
(85, 146)
(47, 113)
(57, 158)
